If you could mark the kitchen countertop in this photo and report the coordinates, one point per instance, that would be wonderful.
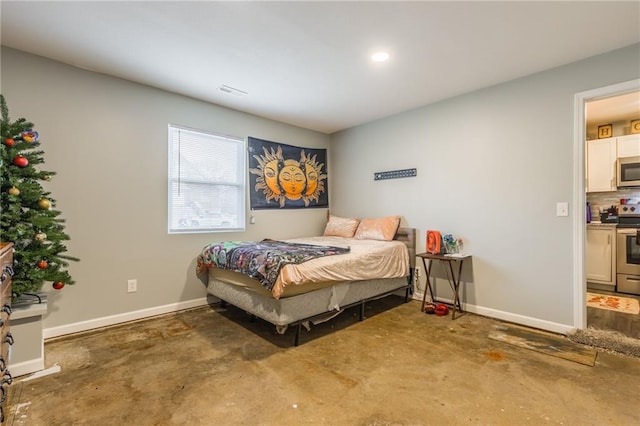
(601, 225)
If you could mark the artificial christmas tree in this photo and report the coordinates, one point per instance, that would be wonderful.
(28, 217)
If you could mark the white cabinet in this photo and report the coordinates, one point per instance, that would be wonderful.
(628, 146)
(601, 165)
(600, 256)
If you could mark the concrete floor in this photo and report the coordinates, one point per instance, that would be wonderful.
(213, 366)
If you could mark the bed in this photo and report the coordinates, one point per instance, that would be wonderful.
(350, 268)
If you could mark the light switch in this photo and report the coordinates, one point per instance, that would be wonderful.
(562, 209)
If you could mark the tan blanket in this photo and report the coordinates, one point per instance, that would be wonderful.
(368, 259)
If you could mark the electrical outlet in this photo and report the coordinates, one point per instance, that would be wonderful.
(132, 286)
(416, 278)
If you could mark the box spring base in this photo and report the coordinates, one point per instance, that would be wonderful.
(300, 308)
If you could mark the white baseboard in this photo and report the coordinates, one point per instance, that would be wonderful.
(553, 327)
(120, 318)
(510, 317)
(26, 367)
(174, 307)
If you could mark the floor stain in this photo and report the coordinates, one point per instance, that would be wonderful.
(495, 355)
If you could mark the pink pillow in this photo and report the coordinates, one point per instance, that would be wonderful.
(382, 228)
(341, 227)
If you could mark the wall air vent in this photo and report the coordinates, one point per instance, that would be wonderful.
(232, 90)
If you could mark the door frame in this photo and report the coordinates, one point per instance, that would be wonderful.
(579, 190)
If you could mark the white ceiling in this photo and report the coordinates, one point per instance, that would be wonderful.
(624, 107)
(307, 63)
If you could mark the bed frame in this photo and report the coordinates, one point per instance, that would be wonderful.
(300, 309)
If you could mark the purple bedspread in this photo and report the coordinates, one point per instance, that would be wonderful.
(261, 260)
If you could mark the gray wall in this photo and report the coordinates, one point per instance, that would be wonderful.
(491, 166)
(107, 140)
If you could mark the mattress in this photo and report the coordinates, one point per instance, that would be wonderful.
(367, 259)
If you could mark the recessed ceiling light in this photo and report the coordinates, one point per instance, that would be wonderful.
(379, 56)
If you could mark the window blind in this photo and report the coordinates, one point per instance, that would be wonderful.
(206, 181)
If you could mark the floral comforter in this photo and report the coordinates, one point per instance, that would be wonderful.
(261, 260)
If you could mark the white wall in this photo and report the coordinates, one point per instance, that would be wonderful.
(107, 140)
(491, 166)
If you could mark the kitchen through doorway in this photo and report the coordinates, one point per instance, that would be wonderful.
(610, 110)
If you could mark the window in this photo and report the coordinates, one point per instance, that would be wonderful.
(206, 182)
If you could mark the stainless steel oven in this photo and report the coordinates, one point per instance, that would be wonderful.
(628, 250)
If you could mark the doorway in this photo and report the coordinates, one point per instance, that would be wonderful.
(580, 134)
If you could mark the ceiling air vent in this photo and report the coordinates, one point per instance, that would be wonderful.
(232, 90)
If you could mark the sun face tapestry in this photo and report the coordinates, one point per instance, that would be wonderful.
(285, 176)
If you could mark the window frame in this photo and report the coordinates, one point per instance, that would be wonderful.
(237, 222)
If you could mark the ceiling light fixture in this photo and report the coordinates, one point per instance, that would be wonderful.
(380, 57)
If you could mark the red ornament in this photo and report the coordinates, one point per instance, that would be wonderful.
(9, 142)
(58, 285)
(21, 161)
(43, 264)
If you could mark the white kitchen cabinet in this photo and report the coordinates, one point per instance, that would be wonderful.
(628, 146)
(601, 165)
(600, 254)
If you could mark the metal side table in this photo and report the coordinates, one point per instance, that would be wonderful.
(452, 277)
